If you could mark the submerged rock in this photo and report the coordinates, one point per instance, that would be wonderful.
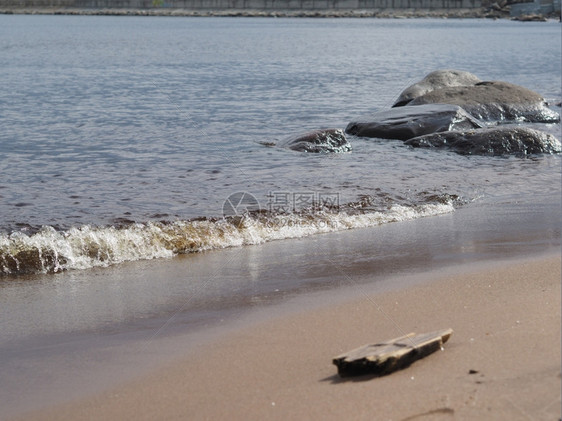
(404, 123)
(494, 100)
(318, 141)
(493, 141)
(436, 80)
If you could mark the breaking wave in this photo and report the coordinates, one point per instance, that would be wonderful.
(51, 251)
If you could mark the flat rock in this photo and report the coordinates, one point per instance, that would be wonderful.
(436, 80)
(494, 141)
(318, 141)
(385, 357)
(404, 123)
(493, 101)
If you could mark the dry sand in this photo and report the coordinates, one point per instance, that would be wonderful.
(502, 362)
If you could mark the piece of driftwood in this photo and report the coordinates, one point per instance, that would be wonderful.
(386, 357)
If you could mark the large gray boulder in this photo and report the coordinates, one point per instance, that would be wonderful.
(436, 80)
(499, 140)
(493, 101)
(318, 141)
(404, 123)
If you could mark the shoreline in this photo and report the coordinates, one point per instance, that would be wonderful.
(503, 360)
(475, 13)
(239, 332)
(132, 319)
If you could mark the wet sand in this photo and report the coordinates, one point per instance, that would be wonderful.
(502, 362)
(233, 331)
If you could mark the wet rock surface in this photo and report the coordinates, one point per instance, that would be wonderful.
(493, 141)
(318, 141)
(454, 109)
(493, 101)
(404, 123)
(436, 80)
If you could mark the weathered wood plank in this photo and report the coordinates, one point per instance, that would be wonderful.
(395, 354)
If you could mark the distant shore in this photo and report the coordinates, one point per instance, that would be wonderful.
(320, 13)
(453, 13)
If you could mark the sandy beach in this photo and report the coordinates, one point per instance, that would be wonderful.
(502, 362)
(139, 281)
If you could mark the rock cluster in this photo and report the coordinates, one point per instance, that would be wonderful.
(456, 110)
(453, 110)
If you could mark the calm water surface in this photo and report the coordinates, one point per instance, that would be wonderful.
(106, 120)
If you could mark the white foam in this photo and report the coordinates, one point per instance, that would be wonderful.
(86, 247)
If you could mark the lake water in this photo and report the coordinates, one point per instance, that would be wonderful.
(122, 137)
